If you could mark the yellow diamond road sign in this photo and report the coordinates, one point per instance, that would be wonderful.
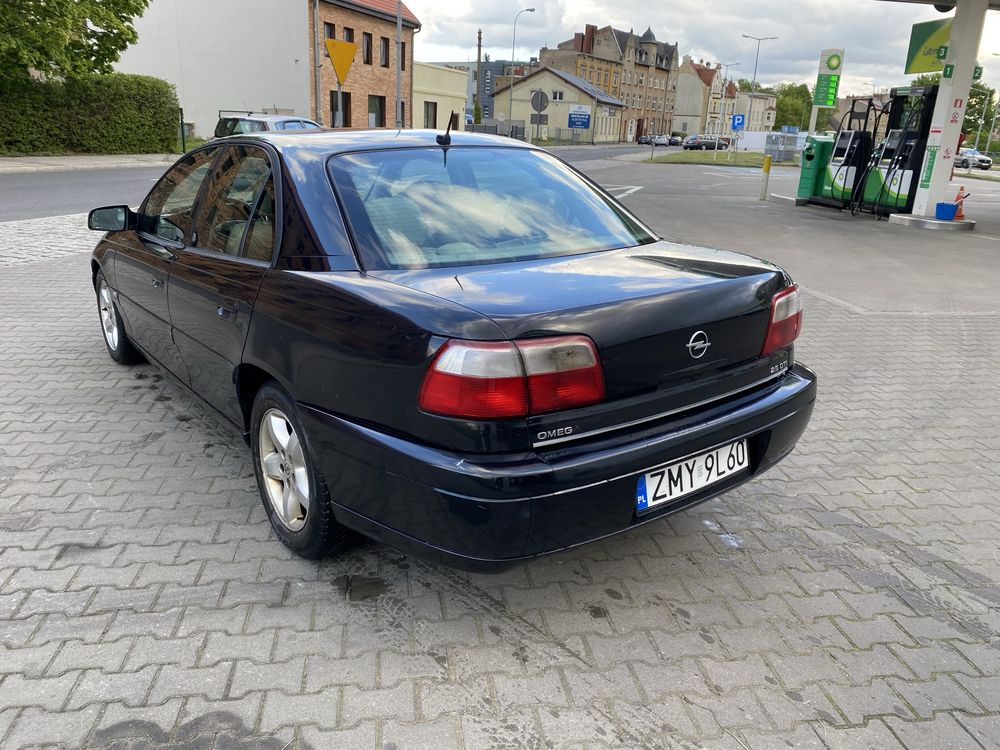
(341, 55)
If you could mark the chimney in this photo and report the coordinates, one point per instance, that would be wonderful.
(588, 38)
(578, 42)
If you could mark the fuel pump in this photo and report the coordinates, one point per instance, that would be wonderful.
(851, 153)
(889, 179)
(832, 167)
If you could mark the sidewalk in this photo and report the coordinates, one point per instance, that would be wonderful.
(22, 164)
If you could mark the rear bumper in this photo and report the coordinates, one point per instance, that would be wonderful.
(489, 512)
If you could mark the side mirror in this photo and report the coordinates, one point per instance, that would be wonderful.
(111, 219)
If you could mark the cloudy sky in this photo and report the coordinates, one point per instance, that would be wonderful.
(874, 33)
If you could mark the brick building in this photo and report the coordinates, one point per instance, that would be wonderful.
(638, 70)
(369, 95)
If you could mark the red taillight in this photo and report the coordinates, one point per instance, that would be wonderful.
(502, 380)
(563, 372)
(786, 320)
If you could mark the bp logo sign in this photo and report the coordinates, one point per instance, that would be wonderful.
(833, 62)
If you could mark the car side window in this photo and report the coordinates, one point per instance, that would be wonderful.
(169, 209)
(291, 125)
(248, 126)
(259, 243)
(238, 186)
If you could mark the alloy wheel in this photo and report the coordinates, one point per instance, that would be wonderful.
(109, 318)
(283, 467)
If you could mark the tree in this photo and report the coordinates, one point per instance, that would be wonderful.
(978, 109)
(64, 38)
(744, 84)
(793, 104)
(477, 112)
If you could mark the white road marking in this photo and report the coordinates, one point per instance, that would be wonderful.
(622, 191)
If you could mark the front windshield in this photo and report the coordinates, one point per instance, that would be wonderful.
(426, 207)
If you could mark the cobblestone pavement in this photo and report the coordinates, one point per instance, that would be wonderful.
(847, 599)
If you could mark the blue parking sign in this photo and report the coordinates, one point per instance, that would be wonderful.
(738, 121)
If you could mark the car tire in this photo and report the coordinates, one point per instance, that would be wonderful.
(704, 147)
(120, 347)
(292, 490)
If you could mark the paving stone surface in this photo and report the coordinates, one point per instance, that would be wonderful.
(849, 598)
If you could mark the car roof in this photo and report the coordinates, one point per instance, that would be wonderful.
(264, 118)
(329, 142)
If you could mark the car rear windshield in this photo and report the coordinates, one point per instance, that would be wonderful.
(426, 207)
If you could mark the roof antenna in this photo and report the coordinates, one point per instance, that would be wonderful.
(445, 140)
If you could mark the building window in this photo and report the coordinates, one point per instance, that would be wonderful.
(366, 48)
(402, 55)
(348, 34)
(615, 81)
(328, 33)
(430, 115)
(605, 78)
(383, 52)
(376, 109)
(557, 96)
(346, 122)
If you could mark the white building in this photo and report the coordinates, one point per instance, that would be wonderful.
(439, 91)
(226, 55)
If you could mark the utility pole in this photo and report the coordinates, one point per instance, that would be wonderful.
(477, 100)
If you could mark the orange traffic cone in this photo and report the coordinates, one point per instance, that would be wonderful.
(959, 200)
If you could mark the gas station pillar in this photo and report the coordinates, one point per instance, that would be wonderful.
(949, 111)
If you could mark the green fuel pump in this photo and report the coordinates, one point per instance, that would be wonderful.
(890, 177)
(815, 161)
(848, 170)
(831, 167)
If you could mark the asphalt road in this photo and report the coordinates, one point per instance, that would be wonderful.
(37, 195)
(849, 598)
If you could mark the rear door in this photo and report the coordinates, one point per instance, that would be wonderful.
(215, 279)
(145, 258)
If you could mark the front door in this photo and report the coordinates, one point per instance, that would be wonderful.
(214, 281)
(144, 259)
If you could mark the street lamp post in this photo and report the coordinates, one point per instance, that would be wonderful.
(725, 85)
(510, 97)
(753, 84)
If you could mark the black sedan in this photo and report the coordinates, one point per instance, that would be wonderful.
(454, 344)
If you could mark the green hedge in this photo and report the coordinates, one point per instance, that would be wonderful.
(96, 114)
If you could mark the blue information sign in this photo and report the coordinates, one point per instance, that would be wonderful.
(579, 120)
(738, 121)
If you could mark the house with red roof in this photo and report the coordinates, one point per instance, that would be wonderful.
(705, 102)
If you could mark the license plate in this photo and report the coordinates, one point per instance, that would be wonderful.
(673, 482)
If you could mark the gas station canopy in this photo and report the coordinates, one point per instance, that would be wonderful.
(943, 5)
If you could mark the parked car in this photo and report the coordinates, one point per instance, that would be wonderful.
(480, 364)
(644, 140)
(703, 142)
(661, 140)
(676, 140)
(970, 157)
(253, 123)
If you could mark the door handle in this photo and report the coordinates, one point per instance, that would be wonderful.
(156, 283)
(226, 310)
